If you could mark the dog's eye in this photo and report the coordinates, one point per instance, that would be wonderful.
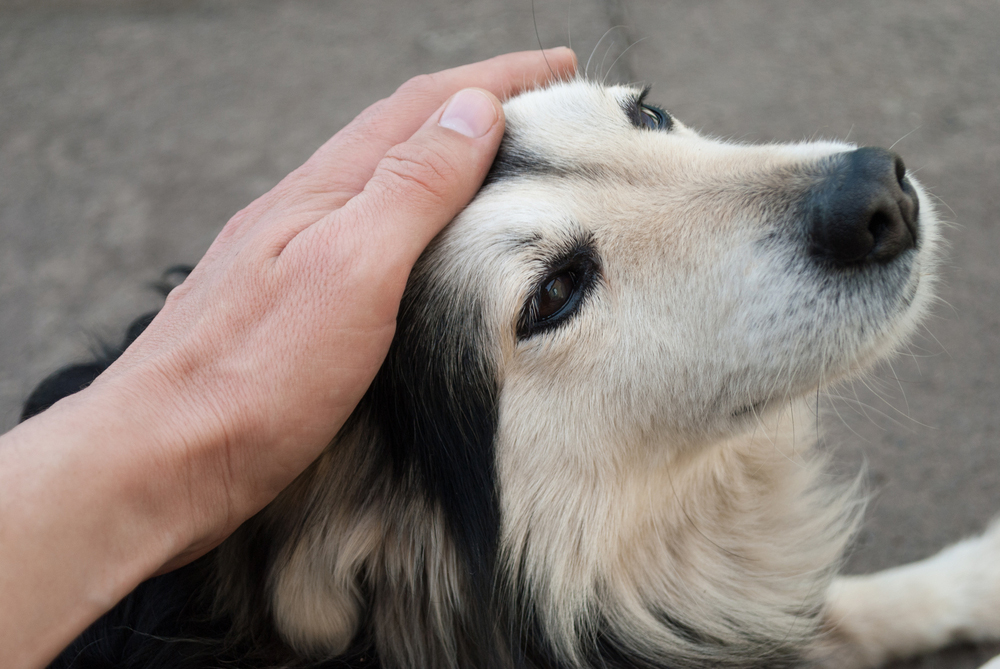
(558, 296)
(646, 116)
(654, 118)
(554, 294)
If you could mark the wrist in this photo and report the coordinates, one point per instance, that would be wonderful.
(86, 517)
(167, 471)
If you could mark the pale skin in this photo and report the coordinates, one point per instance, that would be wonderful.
(252, 366)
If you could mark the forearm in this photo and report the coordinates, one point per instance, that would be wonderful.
(88, 509)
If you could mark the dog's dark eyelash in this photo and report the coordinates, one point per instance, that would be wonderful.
(644, 116)
(639, 99)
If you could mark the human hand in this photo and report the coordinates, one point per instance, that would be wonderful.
(259, 357)
(250, 368)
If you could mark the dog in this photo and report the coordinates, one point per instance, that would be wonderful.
(592, 443)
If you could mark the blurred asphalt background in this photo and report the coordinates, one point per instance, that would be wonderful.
(131, 131)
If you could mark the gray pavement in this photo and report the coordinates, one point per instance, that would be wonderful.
(131, 131)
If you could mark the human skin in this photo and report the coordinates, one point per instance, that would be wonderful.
(250, 368)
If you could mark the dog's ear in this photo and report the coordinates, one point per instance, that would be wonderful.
(317, 593)
(434, 403)
(404, 525)
(299, 567)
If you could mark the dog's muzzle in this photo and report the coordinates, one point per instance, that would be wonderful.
(863, 210)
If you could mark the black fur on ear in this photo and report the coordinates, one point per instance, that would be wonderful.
(434, 405)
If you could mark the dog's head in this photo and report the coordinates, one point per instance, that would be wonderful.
(639, 280)
(622, 297)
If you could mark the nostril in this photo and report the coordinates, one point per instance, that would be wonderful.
(864, 209)
(880, 224)
(900, 170)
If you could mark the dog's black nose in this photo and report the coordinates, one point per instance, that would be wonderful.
(864, 210)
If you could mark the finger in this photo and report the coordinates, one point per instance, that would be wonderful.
(344, 164)
(417, 187)
(340, 169)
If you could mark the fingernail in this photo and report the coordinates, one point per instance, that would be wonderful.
(469, 113)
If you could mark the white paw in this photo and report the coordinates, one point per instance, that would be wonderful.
(992, 664)
(976, 562)
(919, 607)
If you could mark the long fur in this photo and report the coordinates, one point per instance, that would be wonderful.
(630, 483)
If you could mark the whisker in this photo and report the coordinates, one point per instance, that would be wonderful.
(619, 58)
(904, 137)
(611, 46)
(891, 406)
(534, 21)
(569, 23)
(586, 68)
(846, 424)
(902, 391)
(945, 204)
(938, 341)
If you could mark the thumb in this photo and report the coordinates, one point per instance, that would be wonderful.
(423, 183)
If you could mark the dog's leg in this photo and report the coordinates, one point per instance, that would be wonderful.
(916, 608)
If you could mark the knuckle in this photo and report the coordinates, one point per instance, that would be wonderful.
(374, 116)
(420, 85)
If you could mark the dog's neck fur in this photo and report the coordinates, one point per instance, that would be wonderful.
(738, 540)
(712, 557)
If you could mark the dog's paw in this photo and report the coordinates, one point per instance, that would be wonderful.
(949, 597)
(977, 574)
(992, 664)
